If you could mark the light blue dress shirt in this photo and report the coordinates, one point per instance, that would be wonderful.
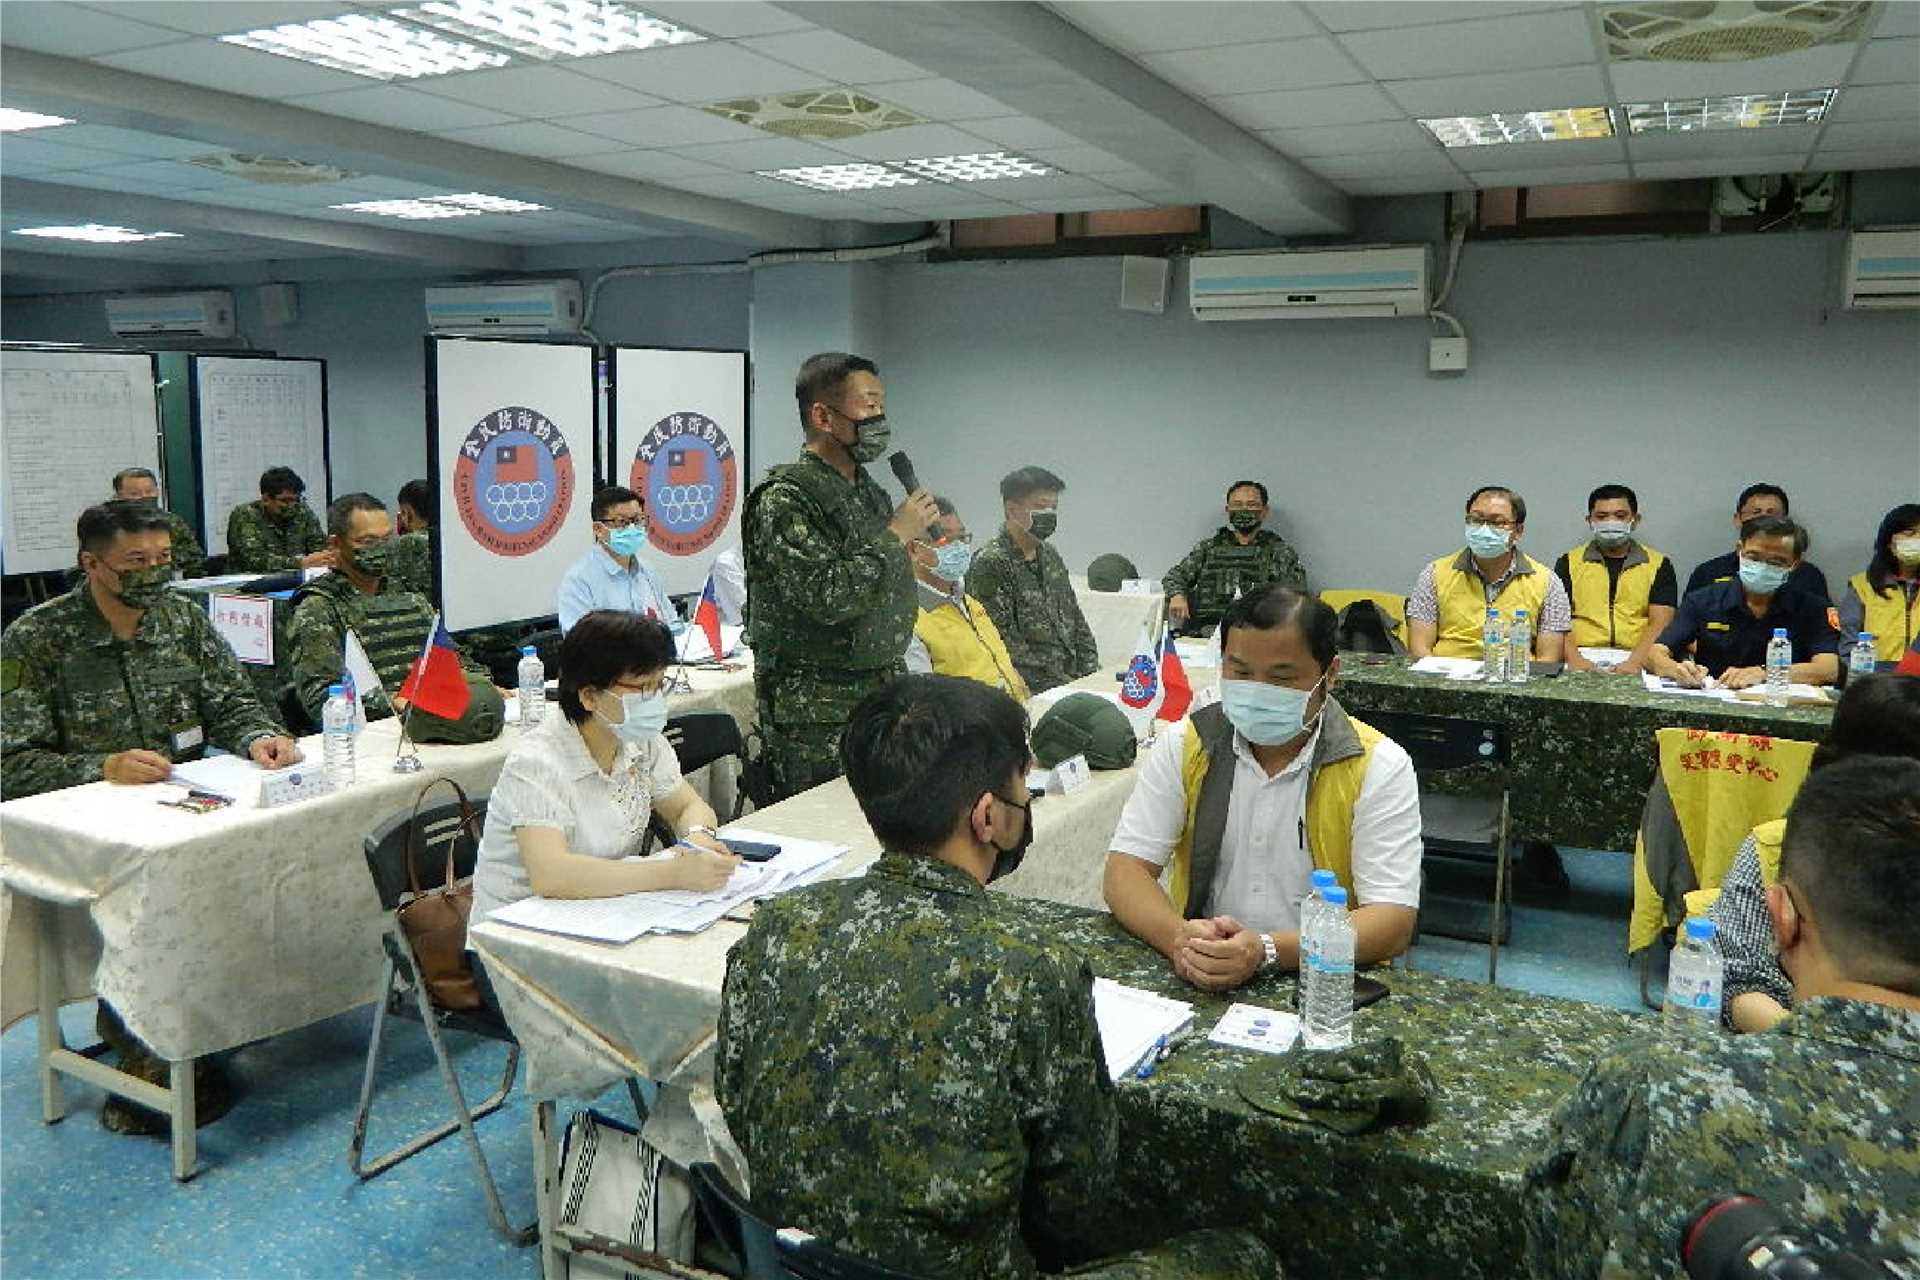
(597, 581)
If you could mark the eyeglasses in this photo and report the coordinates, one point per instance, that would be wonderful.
(1490, 522)
(627, 522)
(958, 539)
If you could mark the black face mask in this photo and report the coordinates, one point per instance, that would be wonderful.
(1044, 524)
(1007, 861)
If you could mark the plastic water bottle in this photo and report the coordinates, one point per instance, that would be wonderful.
(1493, 649)
(338, 728)
(1310, 907)
(1779, 667)
(1519, 647)
(1861, 661)
(1694, 977)
(1327, 979)
(532, 687)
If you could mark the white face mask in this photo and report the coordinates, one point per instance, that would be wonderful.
(643, 715)
(1907, 551)
(1612, 533)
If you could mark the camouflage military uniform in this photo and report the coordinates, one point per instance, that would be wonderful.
(1820, 1116)
(1220, 567)
(1033, 605)
(188, 558)
(258, 543)
(392, 627)
(831, 603)
(410, 563)
(915, 1076)
(71, 694)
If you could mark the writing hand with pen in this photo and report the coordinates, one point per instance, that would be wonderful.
(139, 766)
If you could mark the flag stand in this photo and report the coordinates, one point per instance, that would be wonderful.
(406, 757)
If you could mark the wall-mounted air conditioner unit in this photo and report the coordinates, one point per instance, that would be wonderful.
(519, 308)
(184, 315)
(1313, 284)
(1883, 270)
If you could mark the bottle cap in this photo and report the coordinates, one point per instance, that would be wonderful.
(1699, 927)
(1779, 633)
(1493, 613)
(1336, 895)
(1519, 613)
(336, 691)
(528, 651)
(1323, 879)
(1866, 637)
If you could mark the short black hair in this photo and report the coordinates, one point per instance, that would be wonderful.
(1607, 491)
(1519, 503)
(101, 523)
(1277, 606)
(919, 753)
(604, 646)
(605, 500)
(1877, 716)
(1763, 490)
(142, 473)
(823, 378)
(1776, 527)
(944, 506)
(1884, 567)
(1852, 848)
(275, 481)
(341, 511)
(1029, 480)
(418, 494)
(1249, 484)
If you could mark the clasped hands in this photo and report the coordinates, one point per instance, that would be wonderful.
(1218, 953)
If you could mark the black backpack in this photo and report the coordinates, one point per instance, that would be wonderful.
(1365, 627)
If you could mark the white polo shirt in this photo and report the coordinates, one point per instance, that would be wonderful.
(1265, 863)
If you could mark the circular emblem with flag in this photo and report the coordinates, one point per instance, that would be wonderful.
(513, 483)
(687, 468)
(1141, 682)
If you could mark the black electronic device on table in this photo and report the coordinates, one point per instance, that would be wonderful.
(1368, 991)
(754, 850)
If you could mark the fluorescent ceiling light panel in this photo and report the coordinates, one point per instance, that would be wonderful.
(487, 204)
(13, 120)
(550, 28)
(94, 233)
(1558, 125)
(843, 177)
(1731, 111)
(370, 45)
(983, 167)
(426, 208)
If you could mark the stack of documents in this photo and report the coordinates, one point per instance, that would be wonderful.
(620, 920)
(1797, 694)
(1133, 1023)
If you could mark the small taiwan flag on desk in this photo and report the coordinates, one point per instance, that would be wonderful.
(435, 683)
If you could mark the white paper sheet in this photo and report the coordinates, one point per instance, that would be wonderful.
(235, 777)
(694, 646)
(1248, 1026)
(1607, 658)
(1132, 1021)
(1658, 684)
(1451, 668)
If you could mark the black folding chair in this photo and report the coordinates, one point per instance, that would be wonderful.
(762, 1251)
(401, 994)
(1471, 826)
(294, 712)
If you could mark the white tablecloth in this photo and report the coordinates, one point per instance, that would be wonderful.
(208, 931)
(1116, 621)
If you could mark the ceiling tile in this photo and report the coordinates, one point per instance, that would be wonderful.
(767, 153)
(1581, 86)
(698, 72)
(1553, 177)
(1539, 155)
(1848, 160)
(971, 208)
(1886, 62)
(1898, 20)
(43, 153)
(1091, 161)
(1303, 108)
(819, 204)
(1157, 28)
(157, 175)
(1720, 142)
(728, 185)
(932, 196)
(535, 93)
(399, 108)
(1403, 186)
(1348, 16)
(234, 69)
(938, 99)
(1517, 42)
(122, 143)
(914, 141)
(1882, 135)
(1877, 102)
(1385, 164)
(1254, 68)
(1132, 180)
(74, 32)
(728, 19)
(835, 57)
(1719, 166)
(528, 138)
(1349, 139)
(223, 18)
(647, 166)
(1814, 68)
(1020, 190)
(1023, 132)
(664, 127)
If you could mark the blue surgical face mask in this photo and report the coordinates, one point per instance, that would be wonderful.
(1761, 578)
(1266, 715)
(628, 541)
(1487, 542)
(1612, 533)
(644, 714)
(951, 560)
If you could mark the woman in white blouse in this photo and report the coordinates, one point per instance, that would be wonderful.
(576, 792)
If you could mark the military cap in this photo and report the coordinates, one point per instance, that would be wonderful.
(1084, 724)
(485, 716)
(1107, 572)
(1368, 1084)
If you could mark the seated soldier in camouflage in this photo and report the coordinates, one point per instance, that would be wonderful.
(279, 531)
(913, 1072)
(363, 597)
(411, 560)
(1023, 583)
(1820, 1115)
(137, 484)
(118, 679)
(1239, 559)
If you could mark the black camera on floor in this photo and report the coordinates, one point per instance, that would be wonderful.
(1741, 1237)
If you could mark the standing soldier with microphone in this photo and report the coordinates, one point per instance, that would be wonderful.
(831, 598)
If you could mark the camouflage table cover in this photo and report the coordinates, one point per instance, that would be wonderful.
(1582, 744)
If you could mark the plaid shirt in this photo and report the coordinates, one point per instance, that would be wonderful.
(1744, 932)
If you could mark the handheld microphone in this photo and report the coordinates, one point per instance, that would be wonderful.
(903, 472)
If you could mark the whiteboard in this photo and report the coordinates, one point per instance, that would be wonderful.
(251, 413)
(68, 421)
(504, 424)
(680, 441)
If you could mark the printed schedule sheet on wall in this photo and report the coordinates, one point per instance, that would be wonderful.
(252, 413)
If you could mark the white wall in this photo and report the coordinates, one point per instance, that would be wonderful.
(1685, 368)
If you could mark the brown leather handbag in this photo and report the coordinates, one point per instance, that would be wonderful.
(435, 920)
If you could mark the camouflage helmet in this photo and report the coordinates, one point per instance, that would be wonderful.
(1084, 724)
(485, 716)
(1107, 572)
